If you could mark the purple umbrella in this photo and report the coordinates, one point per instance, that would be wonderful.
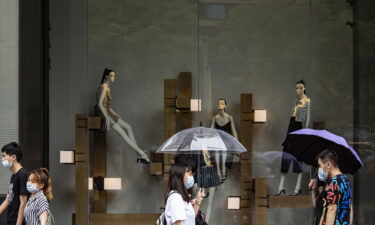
(306, 144)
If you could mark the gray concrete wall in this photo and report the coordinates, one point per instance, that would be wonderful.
(263, 48)
(68, 84)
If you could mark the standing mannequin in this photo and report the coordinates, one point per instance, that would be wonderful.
(300, 118)
(113, 120)
(221, 121)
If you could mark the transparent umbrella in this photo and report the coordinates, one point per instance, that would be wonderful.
(197, 139)
(202, 140)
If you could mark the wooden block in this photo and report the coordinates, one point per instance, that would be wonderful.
(166, 168)
(169, 158)
(80, 157)
(170, 102)
(94, 123)
(184, 91)
(285, 201)
(81, 123)
(245, 203)
(260, 215)
(246, 171)
(165, 182)
(246, 186)
(81, 171)
(123, 219)
(261, 202)
(246, 134)
(156, 168)
(261, 187)
(247, 116)
(319, 125)
(156, 157)
(99, 203)
(184, 120)
(247, 155)
(246, 103)
(246, 217)
(170, 86)
(170, 126)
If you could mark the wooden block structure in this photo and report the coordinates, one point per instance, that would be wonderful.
(263, 201)
(177, 114)
(246, 185)
(99, 164)
(81, 171)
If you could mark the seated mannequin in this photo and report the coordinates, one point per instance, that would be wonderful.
(113, 120)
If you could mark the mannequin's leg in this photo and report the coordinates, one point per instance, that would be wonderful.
(224, 167)
(217, 162)
(209, 203)
(298, 184)
(129, 130)
(282, 184)
(127, 139)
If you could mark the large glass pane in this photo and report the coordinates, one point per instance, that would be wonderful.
(144, 42)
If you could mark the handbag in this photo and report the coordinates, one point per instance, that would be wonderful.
(199, 219)
(208, 176)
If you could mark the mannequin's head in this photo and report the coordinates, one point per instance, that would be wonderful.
(300, 88)
(221, 104)
(108, 75)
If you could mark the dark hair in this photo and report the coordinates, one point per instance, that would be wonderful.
(328, 156)
(222, 99)
(176, 182)
(106, 72)
(13, 149)
(187, 161)
(43, 177)
(303, 83)
(225, 101)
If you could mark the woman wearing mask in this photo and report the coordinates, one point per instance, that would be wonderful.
(37, 208)
(180, 209)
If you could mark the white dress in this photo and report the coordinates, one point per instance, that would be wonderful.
(177, 209)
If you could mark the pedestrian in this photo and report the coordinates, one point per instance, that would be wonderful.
(180, 209)
(337, 193)
(17, 195)
(37, 208)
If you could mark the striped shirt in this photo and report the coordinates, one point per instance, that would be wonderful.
(35, 207)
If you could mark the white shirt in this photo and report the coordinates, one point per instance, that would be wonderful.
(177, 209)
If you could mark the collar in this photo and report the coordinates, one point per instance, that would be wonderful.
(37, 195)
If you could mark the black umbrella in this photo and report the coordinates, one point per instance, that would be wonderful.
(306, 144)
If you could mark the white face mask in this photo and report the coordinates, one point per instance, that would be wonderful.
(189, 183)
(322, 175)
(32, 188)
(7, 164)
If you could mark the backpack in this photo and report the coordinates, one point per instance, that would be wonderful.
(50, 218)
(162, 220)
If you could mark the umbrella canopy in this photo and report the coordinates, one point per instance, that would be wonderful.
(306, 144)
(194, 140)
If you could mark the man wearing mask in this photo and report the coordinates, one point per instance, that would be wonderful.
(16, 198)
(337, 193)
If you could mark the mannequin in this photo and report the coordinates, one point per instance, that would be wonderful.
(112, 119)
(300, 118)
(221, 121)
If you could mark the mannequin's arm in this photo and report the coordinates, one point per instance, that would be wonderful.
(213, 122)
(100, 104)
(233, 127)
(110, 109)
(308, 116)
